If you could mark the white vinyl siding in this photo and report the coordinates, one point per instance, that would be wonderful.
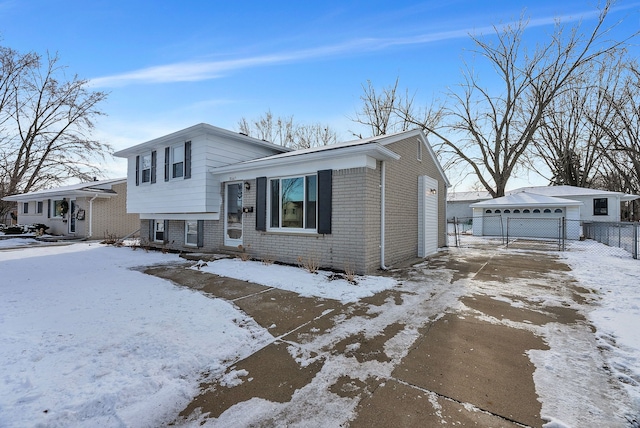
(199, 194)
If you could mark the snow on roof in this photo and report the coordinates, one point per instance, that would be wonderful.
(565, 191)
(102, 186)
(526, 199)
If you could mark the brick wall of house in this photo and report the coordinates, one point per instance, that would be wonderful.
(347, 247)
(401, 214)
(110, 217)
(355, 239)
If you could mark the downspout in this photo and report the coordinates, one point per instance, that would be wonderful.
(91, 215)
(382, 214)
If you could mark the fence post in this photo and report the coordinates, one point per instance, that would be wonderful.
(455, 230)
(502, 227)
(636, 230)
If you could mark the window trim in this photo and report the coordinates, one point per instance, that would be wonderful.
(155, 230)
(305, 200)
(143, 169)
(186, 233)
(419, 155)
(597, 210)
(173, 163)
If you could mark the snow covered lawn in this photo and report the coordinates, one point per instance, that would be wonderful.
(85, 341)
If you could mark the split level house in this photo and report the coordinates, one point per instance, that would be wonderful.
(360, 205)
(95, 209)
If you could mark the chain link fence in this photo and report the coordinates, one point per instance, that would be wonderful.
(622, 235)
(544, 233)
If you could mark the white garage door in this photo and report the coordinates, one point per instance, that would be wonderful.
(524, 222)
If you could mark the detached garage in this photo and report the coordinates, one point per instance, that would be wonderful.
(527, 215)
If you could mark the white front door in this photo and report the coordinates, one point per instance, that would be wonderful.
(233, 214)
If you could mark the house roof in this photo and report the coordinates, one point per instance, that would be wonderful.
(468, 196)
(373, 146)
(565, 191)
(522, 199)
(101, 188)
(192, 132)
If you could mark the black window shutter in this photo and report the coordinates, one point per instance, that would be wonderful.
(165, 234)
(324, 201)
(137, 170)
(187, 160)
(261, 203)
(167, 151)
(48, 208)
(154, 159)
(152, 230)
(200, 233)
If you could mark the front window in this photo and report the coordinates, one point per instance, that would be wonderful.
(146, 168)
(158, 234)
(177, 161)
(25, 208)
(600, 206)
(39, 207)
(293, 202)
(191, 233)
(60, 208)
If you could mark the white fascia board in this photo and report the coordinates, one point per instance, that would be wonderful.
(564, 203)
(344, 158)
(180, 216)
(298, 168)
(35, 196)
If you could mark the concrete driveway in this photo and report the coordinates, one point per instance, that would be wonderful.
(447, 346)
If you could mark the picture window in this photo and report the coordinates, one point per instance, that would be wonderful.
(293, 202)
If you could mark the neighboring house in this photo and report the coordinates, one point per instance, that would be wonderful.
(599, 205)
(537, 211)
(359, 205)
(458, 203)
(96, 209)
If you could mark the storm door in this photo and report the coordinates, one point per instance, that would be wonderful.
(233, 214)
(72, 216)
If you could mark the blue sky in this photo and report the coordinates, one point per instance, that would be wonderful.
(168, 65)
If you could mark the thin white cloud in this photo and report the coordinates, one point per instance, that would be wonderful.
(191, 71)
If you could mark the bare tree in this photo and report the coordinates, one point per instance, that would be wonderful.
(491, 130)
(572, 131)
(285, 132)
(46, 122)
(388, 111)
(623, 146)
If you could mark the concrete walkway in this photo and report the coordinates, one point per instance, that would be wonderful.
(466, 366)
